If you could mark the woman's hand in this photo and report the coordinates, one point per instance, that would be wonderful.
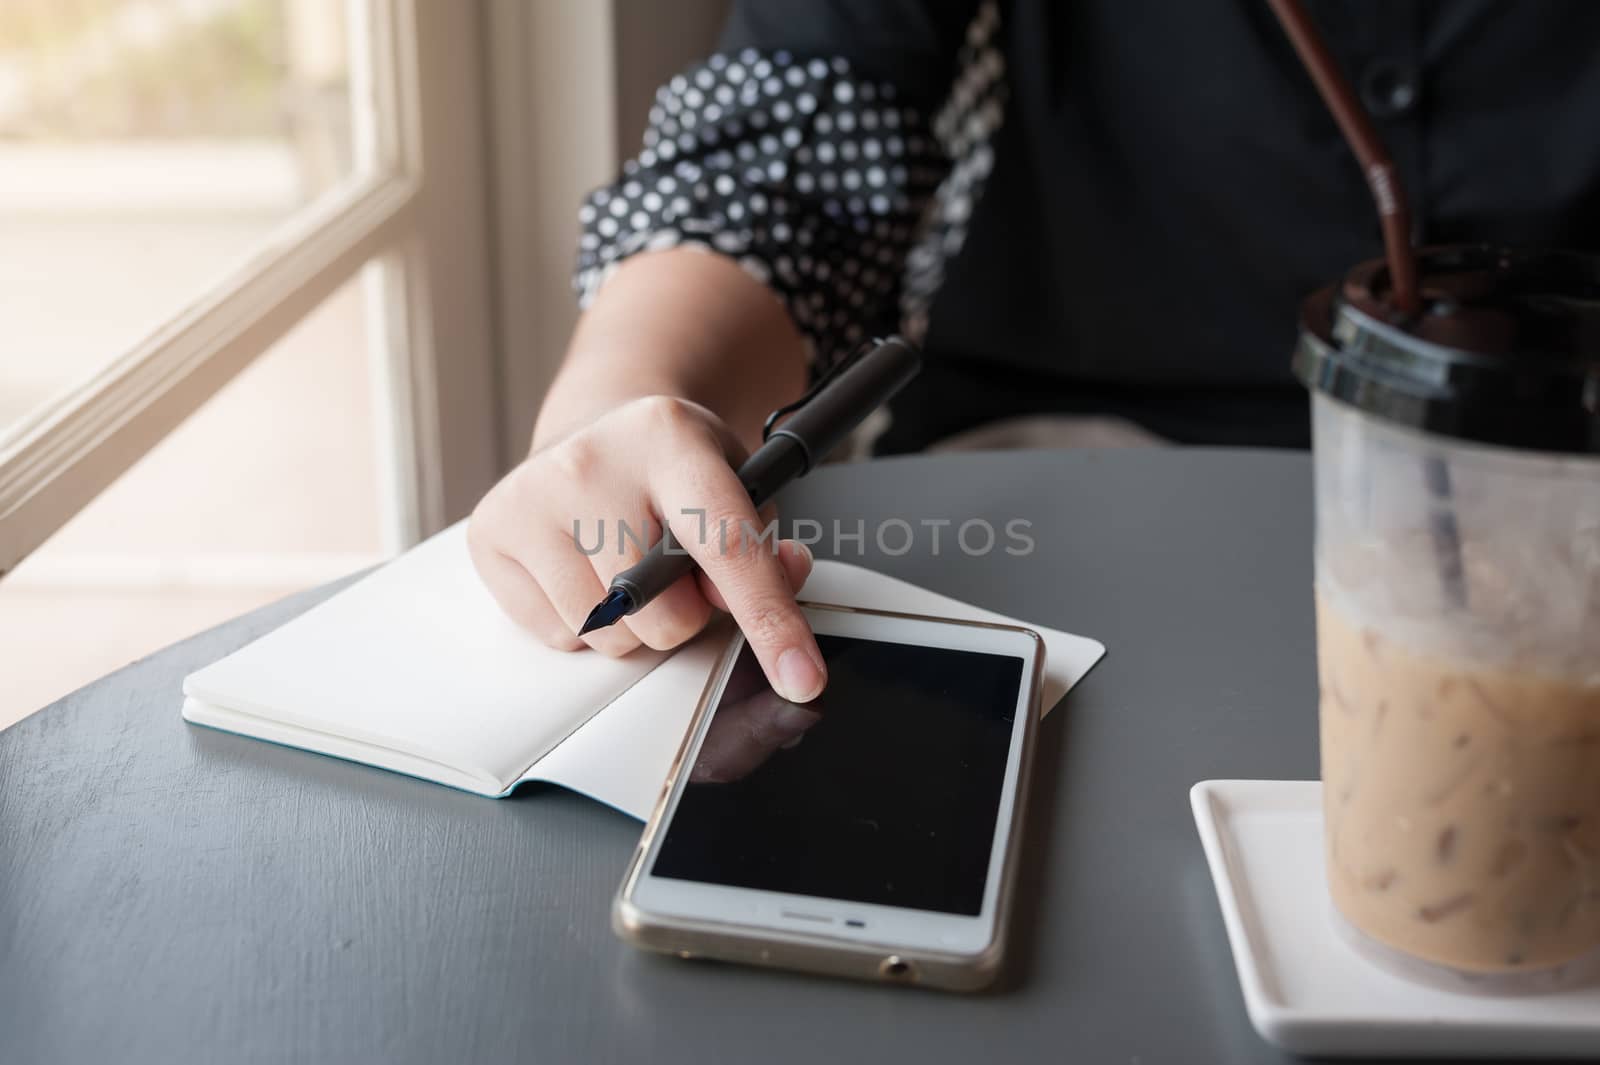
(534, 539)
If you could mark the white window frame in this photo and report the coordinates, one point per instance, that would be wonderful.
(414, 218)
(571, 85)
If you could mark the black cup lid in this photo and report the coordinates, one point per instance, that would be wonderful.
(1505, 351)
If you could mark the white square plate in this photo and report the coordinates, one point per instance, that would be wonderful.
(1307, 988)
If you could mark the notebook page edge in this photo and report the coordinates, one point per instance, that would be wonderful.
(198, 711)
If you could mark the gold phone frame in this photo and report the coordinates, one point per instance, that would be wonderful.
(816, 952)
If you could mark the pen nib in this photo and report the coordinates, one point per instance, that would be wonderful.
(609, 612)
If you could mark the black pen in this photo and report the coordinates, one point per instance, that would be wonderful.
(842, 401)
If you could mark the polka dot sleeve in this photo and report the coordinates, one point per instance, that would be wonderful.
(811, 178)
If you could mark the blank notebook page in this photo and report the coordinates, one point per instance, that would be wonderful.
(417, 658)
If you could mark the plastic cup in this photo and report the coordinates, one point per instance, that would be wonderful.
(1457, 468)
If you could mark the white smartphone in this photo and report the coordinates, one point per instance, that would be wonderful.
(872, 832)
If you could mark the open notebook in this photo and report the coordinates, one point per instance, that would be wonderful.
(415, 669)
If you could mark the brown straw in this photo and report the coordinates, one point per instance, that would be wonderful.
(1363, 139)
(1390, 194)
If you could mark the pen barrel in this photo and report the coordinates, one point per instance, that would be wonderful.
(774, 464)
(653, 574)
(845, 402)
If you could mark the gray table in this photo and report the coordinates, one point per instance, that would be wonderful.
(169, 893)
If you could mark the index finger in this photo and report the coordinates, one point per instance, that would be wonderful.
(711, 515)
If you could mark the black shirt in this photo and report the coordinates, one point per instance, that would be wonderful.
(1100, 206)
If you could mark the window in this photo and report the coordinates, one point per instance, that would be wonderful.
(188, 184)
(144, 150)
(270, 487)
(182, 181)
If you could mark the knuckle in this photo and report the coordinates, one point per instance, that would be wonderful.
(575, 460)
(668, 416)
(736, 540)
(767, 622)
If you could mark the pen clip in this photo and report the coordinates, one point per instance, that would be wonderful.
(822, 382)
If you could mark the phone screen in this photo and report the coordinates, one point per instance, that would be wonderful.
(884, 790)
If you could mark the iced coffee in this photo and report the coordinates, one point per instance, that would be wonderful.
(1459, 677)
(1456, 452)
(1462, 800)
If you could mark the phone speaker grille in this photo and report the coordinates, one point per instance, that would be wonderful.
(817, 917)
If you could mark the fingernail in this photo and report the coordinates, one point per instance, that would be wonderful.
(805, 549)
(798, 676)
